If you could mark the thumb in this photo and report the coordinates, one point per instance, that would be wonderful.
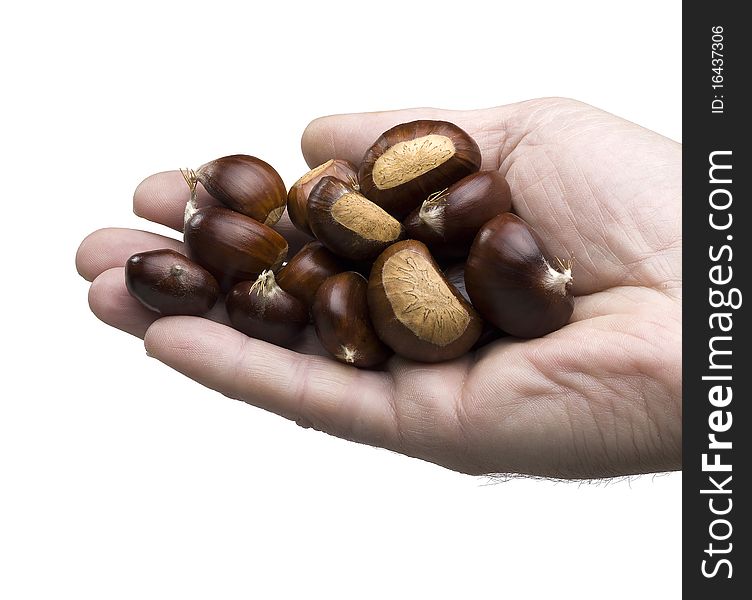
(348, 136)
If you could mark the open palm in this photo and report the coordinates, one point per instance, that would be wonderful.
(600, 397)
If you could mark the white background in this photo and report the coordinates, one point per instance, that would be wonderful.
(120, 478)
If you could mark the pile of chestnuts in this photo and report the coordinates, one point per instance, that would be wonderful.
(416, 253)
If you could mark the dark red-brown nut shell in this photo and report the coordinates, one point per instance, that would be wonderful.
(348, 223)
(343, 325)
(231, 246)
(307, 270)
(245, 184)
(263, 310)
(414, 310)
(447, 221)
(297, 197)
(169, 283)
(455, 274)
(513, 284)
(413, 160)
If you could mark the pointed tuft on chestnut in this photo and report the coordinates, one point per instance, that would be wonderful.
(263, 310)
(513, 284)
(414, 310)
(348, 223)
(169, 283)
(243, 183)
(342, 322)
(307, 270)
(412, 160)
(297, 197)
(231, 246)
(448, 220)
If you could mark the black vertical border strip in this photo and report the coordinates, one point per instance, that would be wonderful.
(704, 132)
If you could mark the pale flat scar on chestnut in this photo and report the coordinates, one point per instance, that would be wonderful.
(358, 214)
(422, 300)
(405, 161)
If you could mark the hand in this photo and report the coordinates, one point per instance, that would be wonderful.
(600, 397)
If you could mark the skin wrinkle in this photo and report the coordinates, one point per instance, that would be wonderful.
(489, 137)
(300, 377)
(604, 245)
(659, 265)
(563, 388)
(591, 385)
(632, 441)
(650, 429)
(238, 367)
(580, 448)
(516, 393)
(532, 450)
(628, 306)
(545, 384)
(357, 426)
(460, 416)
(397, 421)
(642, 227)
(651, 183)
(378, 435)
(632, 274)
(612, 417)
(587, 126)
(629, 416)
(308, 406)
(427, 418)
(580, 444)
(655, 385)
(605, 223)
(509, 147)
(231, 371)
(653, 435)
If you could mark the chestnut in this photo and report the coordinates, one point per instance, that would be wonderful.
(455, 275)
(231, 246)
(245, 184)
(263, 310)
(297, 197)
(448, 220)
(412, 160)
(307, 270)
(343, 326)
(169, 283)
(414, 310)
(512, 283)
(348, 223)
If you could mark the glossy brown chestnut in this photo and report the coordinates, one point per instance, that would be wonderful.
(343, 325)
(448, 220)
(414, 310)
(297, 197)
(412, 160)
(512, 282)
(231, 246)
(307, 270)
(245, 184)
(455, 274)
(263, 310)
(348, 223)
(169, 283)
